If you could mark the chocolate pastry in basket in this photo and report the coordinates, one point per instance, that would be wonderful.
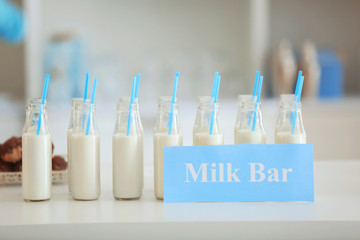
(58, 163)
(5, 166)
(17, 167)
(10, 151)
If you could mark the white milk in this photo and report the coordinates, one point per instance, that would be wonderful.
(206, 139)
(128, 166)
(36, 172)
(249, 137)
(162, 140)
(236, 130)
(68, 159)
(288, 138)
(85, 166)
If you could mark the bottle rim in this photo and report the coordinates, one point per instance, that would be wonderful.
(164, 103)
(166, 99)
(247, 98)
(33, 103)
(124, 103)
(84, 106)
(207, 103)
(205, 99)
(287, 97)
(78, 100)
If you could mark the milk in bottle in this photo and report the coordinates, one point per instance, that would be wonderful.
(85, 154)
(128, 159)
(164, 138)
(74, 102)
(36, 153)
(207, 110)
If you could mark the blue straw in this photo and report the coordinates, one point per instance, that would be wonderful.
(131, 103)
(137, 85)
(46, 84)
(173, 100)
(91, 103)
(85, 96)
(298, 96)
(86, 86)
(215, 101)
(214, 84)
(254, 93)
(297, 83)
(255, 85)
(257, 103)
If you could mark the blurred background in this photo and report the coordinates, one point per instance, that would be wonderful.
(114, 40)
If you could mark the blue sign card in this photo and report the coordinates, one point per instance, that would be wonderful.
(247, 172)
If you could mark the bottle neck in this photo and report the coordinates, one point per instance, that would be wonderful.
(290, 117)
(84, 119)
(124, 104)
(250, 114)
(250, 106)
(165, 104)
(207, 115)
(291, 106)
(36, 121)
(245, 100)
(78, 104)
(206, 104)
(128, 115)
(35, 105)
(167, 117)
(84, 107)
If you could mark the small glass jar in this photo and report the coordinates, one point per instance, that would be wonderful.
(163, 138)
(286, 132)
(85, 154)
(207, 114)
(128, 152)
(36, 153)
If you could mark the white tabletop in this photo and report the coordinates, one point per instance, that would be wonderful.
(334, 215)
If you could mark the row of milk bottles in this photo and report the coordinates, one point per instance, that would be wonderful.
(83, 142)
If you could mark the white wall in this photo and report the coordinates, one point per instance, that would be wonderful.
(158, 38)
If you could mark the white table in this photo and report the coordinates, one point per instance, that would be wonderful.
(334, 215)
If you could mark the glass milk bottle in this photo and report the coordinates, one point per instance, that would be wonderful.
(283, 129)
(36, 153)
(128, 160)
(201, 131)
(244, 124)
(163, 138)
(85, 154)
(74, 103)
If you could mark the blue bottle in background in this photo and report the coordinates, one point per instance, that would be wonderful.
(332, 75)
